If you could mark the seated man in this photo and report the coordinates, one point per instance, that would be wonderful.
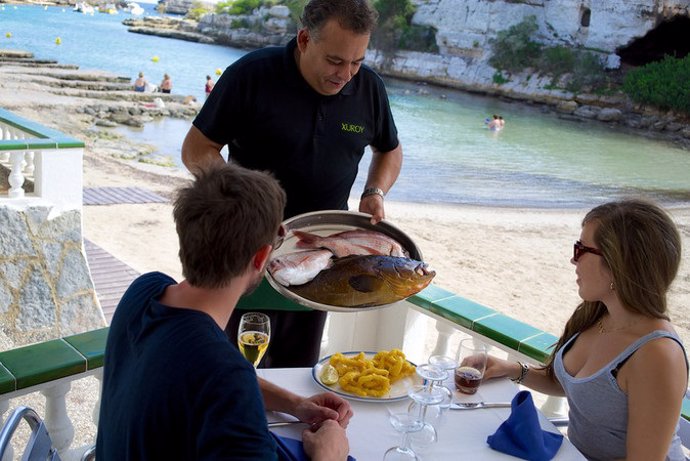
(174, 387)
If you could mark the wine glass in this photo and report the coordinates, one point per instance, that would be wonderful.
(253, 335)
(406, 424)
(449, 364)
(426, 398)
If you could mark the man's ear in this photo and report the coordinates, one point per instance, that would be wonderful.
(261, 257)
(302, 39)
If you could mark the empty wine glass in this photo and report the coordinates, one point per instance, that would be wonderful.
(253, 336)
(448, 364)
(425, 397)
(406, 424)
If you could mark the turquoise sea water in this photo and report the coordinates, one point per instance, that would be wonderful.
(538, 160)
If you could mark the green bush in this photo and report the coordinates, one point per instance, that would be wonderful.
(197, 11)
(663, 84)
(237, 7)
(556, 61)
(513, 48)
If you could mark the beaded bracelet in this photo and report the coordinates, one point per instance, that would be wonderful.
(524, 368)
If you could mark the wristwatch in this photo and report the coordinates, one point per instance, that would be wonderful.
(373, 191)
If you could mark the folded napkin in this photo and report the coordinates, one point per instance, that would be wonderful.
(292, 449)
(522, 436)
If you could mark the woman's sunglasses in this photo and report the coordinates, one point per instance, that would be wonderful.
(579, 249)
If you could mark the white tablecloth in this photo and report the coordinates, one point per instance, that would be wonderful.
(462, 435)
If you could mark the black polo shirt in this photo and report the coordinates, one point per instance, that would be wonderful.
(272, 120)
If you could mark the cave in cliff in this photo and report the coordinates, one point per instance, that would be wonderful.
(671, 37)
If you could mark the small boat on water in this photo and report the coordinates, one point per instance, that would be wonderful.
(135, 9)
(83, 7)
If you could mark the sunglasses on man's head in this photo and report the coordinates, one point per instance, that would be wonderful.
(579, 249)
(280, 237)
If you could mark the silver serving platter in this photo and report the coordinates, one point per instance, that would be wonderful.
(327, 223)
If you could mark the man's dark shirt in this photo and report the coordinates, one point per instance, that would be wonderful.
(272, 120)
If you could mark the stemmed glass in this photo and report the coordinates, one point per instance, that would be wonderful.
(448, 364)
(405, 423)
(253, 336)
(425, 397)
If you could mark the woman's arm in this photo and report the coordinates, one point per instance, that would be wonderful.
(655, 379)
(535, 378)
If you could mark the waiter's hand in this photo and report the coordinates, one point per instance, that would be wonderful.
(373, 205)
(318, 408)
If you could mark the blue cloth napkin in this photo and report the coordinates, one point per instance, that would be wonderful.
(292, 449)
(522, 436)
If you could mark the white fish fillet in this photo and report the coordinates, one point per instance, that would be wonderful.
(355, 242)
(299, 267)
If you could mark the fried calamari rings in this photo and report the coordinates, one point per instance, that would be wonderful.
(371, 378)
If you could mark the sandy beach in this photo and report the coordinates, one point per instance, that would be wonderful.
(513, 260)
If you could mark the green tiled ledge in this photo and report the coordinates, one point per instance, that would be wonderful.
(41, 137)
(39, 363)
(485, 321)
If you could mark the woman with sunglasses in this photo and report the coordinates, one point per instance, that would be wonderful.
(619, 362)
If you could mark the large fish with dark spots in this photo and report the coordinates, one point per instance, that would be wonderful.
(370, 280)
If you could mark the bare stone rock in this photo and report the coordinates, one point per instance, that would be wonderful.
(5, 298)
(673, 127)
(74, 274)
(587, 111)
(38, 308)
(567, 107)
(14, 238)
(609, 115)
(76, 315)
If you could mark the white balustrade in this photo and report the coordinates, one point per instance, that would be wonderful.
(55, 171)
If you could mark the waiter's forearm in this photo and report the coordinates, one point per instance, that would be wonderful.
(384, 168)
(199, 152)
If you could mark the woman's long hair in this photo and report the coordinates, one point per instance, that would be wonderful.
(641, 246)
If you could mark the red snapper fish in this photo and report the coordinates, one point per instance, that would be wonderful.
(353, 242)
(299, 267)
(369, 280)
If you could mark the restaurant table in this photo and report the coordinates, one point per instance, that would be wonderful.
(461, 434)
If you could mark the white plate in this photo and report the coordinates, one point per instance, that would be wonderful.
(398, 391)
(327, 223)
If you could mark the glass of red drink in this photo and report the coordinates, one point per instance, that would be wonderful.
(471, 358)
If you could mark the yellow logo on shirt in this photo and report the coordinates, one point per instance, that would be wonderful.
(349, 127)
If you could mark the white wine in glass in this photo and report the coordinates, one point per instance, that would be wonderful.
(253, 336)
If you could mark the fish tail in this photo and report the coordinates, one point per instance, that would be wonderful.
(305, 237)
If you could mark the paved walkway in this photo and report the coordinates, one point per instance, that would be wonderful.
(116, 195)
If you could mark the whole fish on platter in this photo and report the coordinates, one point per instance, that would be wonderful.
(353, 242)
(299, 267)
(367, 280)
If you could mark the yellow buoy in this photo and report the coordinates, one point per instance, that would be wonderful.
(218, 71)
(155, 59)
(8, 35)
(58, 41)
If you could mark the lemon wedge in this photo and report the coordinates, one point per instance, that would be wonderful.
(329, 375)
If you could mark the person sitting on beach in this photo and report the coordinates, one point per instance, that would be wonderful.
(166, 84)
(174, 388)
(209, 85)
(619, 361)
(140, 83)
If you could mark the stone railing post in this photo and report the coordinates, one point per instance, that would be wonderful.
(57, 421)
(16, 178)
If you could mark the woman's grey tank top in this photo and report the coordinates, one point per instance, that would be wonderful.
(598, 415)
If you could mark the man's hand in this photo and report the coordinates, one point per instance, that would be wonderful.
(319, 408)
(327, 443)
(373, 205)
